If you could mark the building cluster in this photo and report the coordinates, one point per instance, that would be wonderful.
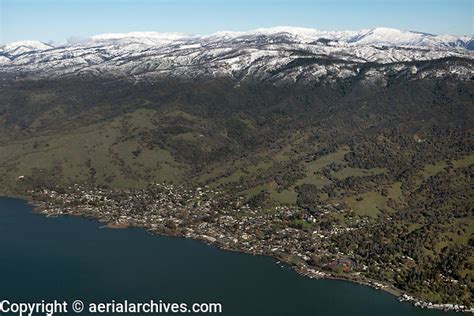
(429, 305)
(211, 216)
(204, 214)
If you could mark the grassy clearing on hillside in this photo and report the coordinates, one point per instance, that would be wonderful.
(313, 167)
(464, 162)
(395, 192)
(459, 233)
(285, 197)
(369, 203)
(356, 172)
(431, 170)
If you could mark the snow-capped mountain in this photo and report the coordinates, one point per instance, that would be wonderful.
(22, 47)
(280, 54)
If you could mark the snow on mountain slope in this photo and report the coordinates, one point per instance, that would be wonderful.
(280, 54)
(22, 47)
(394, 37)
(147, 38)
(378, 36)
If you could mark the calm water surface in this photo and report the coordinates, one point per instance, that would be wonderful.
(72, 258)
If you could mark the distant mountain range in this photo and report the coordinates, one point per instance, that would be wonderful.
(280, 54)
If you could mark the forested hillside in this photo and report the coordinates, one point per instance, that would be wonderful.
(398, 155)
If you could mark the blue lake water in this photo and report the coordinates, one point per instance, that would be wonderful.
(70, 258)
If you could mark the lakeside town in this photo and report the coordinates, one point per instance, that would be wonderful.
(282, 232)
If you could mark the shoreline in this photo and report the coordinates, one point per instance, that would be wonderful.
(301, 270)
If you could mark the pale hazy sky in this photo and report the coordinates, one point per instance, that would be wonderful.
(57, 20)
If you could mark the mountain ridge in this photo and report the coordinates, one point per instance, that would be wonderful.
(278, 55)
(348, 35)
